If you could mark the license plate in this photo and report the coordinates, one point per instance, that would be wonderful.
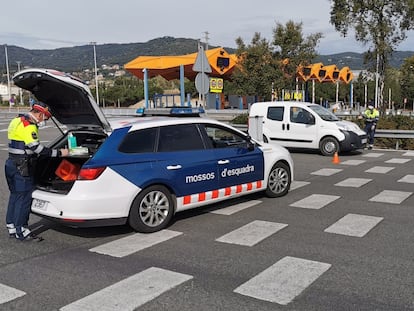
(39, 204)
(364, 140)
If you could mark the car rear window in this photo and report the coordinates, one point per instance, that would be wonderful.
(275, 113)
(140, 141)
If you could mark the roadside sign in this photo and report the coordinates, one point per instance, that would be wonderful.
(216, 85)
(201, 63)
(202, 83)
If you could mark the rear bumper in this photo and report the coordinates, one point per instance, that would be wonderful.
(85, 223)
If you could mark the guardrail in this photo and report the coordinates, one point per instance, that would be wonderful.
(226, 115)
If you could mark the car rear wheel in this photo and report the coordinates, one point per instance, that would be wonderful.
(279, 180)
(328, 146)
(152, 209)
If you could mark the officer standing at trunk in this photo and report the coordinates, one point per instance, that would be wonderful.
(24, 147)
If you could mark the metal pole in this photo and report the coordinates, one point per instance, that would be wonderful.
(8, 74)
(96, 72)
(20, 90)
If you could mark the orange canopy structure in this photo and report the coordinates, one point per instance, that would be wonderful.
(222, 65)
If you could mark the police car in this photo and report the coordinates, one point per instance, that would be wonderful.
(142, 170)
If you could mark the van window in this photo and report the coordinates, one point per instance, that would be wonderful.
(299, 115)
(275, 113)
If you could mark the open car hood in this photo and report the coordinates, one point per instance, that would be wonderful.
(69, 99)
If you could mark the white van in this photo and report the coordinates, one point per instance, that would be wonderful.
(304, 125)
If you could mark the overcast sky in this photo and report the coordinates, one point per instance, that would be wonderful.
(50, 24)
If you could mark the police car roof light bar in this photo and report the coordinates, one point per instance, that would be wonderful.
(171, 112)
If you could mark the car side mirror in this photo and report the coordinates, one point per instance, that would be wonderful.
(250, 143)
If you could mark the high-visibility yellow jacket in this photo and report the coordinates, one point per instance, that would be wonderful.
(23, 138)
(371, 116)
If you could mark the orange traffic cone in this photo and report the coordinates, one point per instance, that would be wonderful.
(335, 159)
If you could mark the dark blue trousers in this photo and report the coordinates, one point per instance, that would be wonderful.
(21, 188)
(370, 132)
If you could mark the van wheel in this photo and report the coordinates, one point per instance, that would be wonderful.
(279, 180)
(328, 146)
(151, 210)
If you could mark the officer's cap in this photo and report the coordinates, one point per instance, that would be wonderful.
(43, 108)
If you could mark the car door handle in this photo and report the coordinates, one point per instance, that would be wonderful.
(173, 167)
(223, 162)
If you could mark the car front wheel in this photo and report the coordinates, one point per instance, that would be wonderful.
(152, 209)
(279, 180)
(328, 146)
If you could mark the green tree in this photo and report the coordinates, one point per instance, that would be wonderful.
(380, 24)
(263, 64)
(256, 69)
(293, 49)
(407, 80)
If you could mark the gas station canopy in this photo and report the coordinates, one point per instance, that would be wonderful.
(221, 62)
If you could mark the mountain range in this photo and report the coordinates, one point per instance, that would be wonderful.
(78, 58)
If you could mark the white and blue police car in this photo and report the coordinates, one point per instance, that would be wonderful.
(142, 170)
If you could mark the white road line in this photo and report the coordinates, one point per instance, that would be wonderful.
(131, 292)
(408, 154)
(315, 201)
(252, 233)
(326, 171)
(354, 225)
(283, 281)
(236, 208)
(390, 196)
(379, 169)
(353, 182)
(8, 293)
(134, 243)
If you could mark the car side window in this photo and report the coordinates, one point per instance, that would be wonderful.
(223, 138)
(179, 138)
(299, 115)
(139, 141)
(275, 113)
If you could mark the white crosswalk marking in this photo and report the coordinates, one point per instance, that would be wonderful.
(354, 225)
(390, 196)
(353, 182)
(326, 171)
(379, 169)
(283, 281)
(236, 208)
(8, 293)
(130, 293)
(409, 154)
(298, 184)
(353, 162)
(407, 179)
(373, 155)
(315, 201)
(134, 243)
(398, 160)
(252, 233)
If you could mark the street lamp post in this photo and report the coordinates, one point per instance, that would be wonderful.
(96, 72)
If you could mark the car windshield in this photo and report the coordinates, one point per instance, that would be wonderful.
(324, 113)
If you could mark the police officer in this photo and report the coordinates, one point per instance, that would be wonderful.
(371, 116)
(24, 147)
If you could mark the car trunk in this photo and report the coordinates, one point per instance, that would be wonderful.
(59, 174)
(72, 105)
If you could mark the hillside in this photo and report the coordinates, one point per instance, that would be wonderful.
(81, 57)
